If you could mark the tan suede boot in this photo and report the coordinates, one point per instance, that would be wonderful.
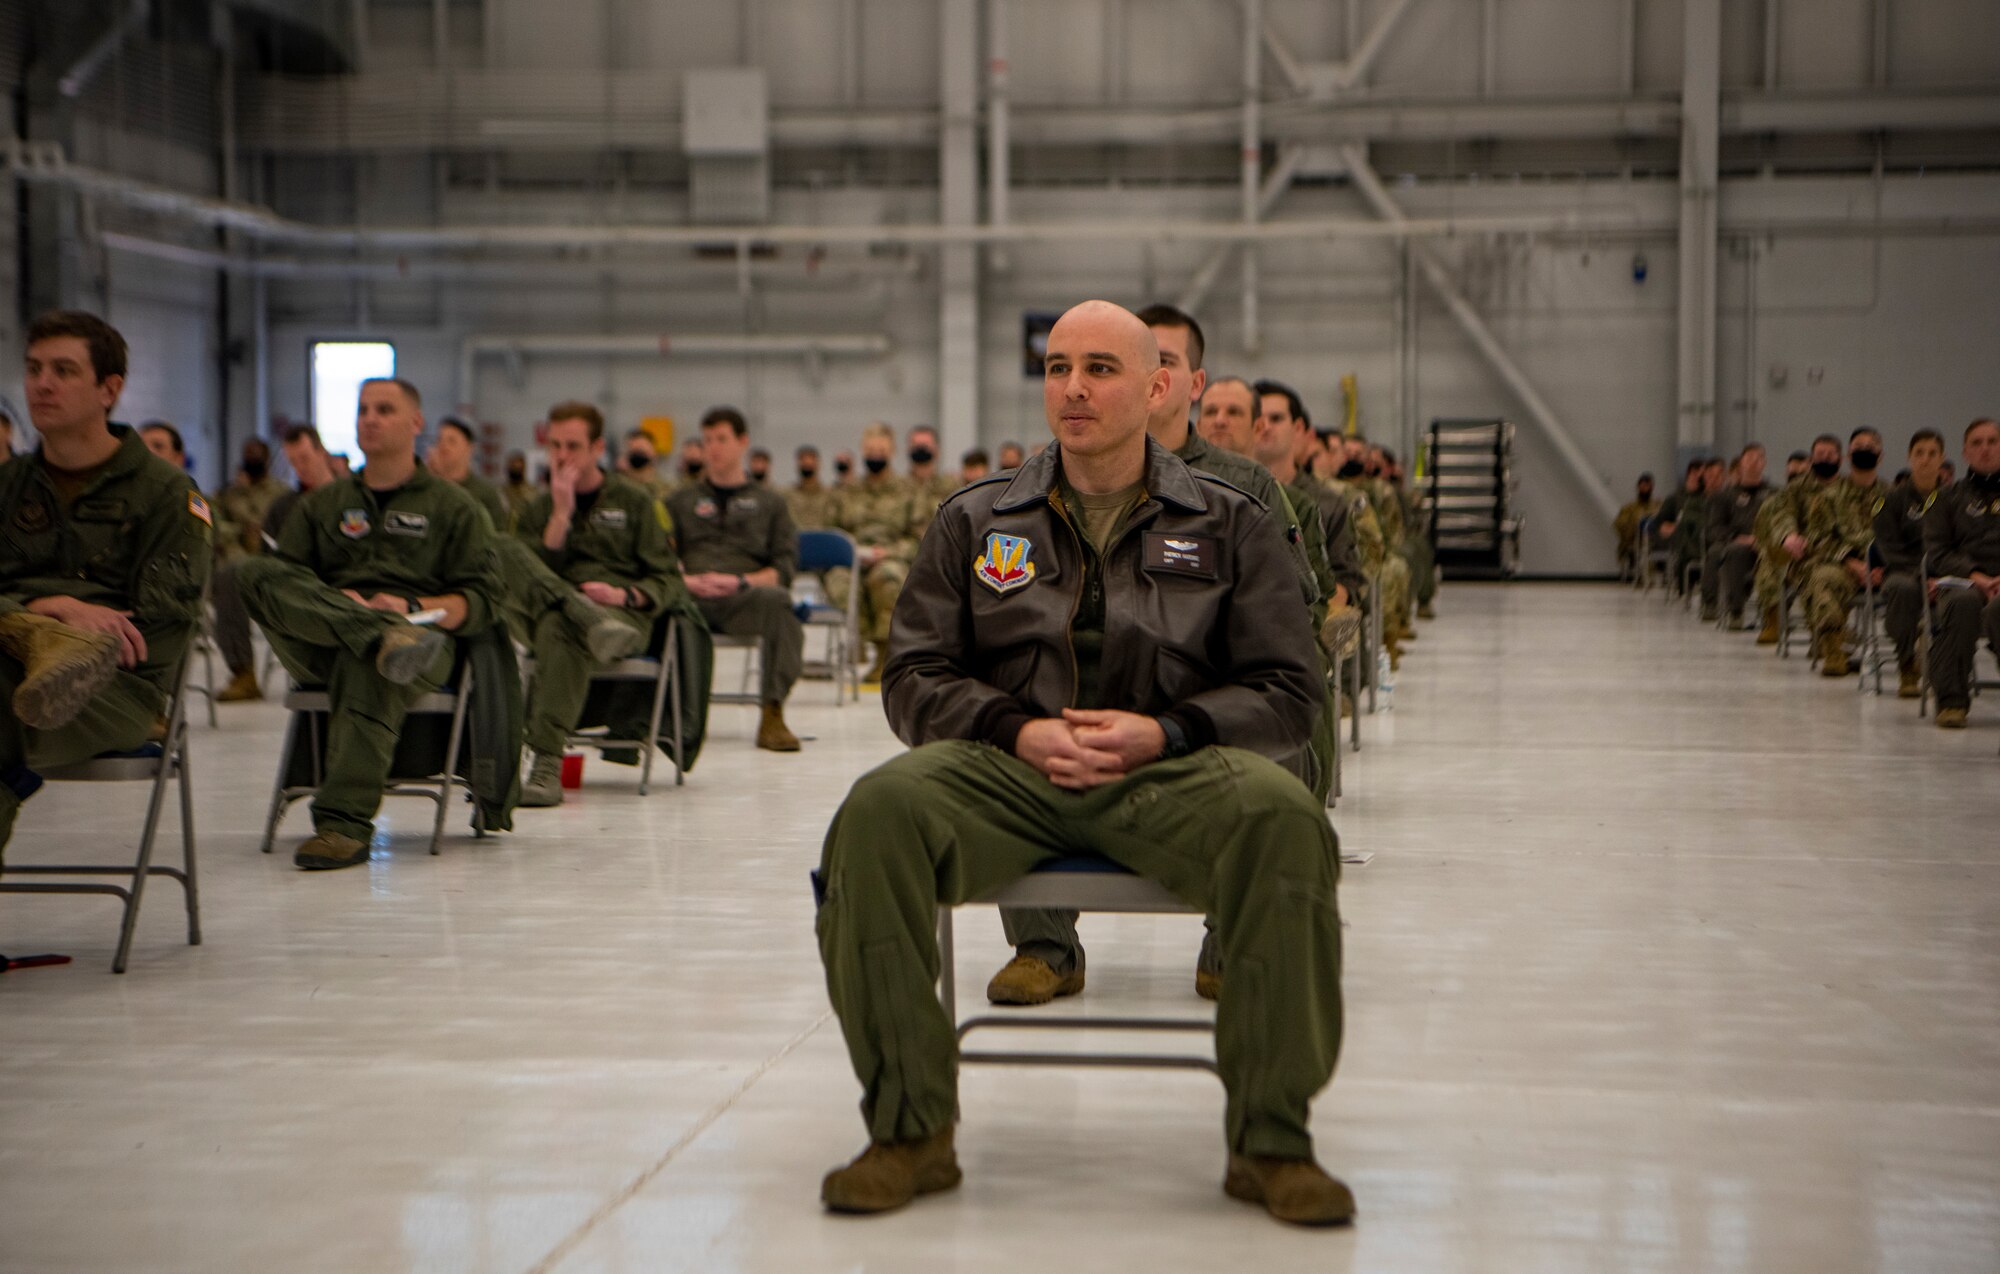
(772, 734)
(1908, 684)
(1294, 1190)
(1031, 980)
(242, 688)
(405, 651)
(889, 1174)
(1768, 634)
(63, 667)
(1833, 656)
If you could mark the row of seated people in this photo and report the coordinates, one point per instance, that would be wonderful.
(1926, 545)
(1206, 703)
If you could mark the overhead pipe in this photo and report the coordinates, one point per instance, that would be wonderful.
(813, 348)
(998, 116)
(40, 164)
(1475, 328)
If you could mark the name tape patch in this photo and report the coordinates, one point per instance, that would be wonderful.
(403, 522)
(1180, 554)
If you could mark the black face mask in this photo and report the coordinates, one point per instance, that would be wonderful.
(1825, 468)
(1645, 495)
(1864, 460)
(692, 468)
(254, 470)
(807, 473)
(873, 465)
(637, 462)
(922, 455)
(842, 467)
(1352, 469)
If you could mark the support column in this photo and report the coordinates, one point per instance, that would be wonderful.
(1701, 104)
(958, 205)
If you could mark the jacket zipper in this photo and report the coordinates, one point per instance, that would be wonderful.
(1076, 602)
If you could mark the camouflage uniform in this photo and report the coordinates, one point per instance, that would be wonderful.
(928, 494)
(879, 512)
(240, 531)
(1626, 527)
(1837, 520)
(811, 504)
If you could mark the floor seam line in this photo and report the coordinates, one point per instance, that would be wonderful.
(574, 1239)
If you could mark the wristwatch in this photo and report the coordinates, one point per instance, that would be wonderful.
(742, 583)
(412, 605)
(1176, 739)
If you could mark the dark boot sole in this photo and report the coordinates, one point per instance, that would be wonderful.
(52, 699)
(313, 862)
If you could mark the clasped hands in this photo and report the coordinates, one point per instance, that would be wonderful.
(1086, 748)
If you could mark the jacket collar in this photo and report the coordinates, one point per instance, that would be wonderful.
(132, 455)
(1167, 480)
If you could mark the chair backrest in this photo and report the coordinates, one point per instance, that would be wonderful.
(824, 550)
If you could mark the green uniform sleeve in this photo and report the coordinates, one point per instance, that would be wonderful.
(170, 572)
(465, 566)
(658, 568)
(784, 544)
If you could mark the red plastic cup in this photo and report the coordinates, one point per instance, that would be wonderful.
(572, 771)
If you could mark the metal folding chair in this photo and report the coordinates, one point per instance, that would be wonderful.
(664, 675)
(162, 764)
(309, 709)
(1082, 884)
(822, 550)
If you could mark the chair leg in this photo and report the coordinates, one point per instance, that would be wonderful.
(947, 966)
(278, 802)
(667, 651)
(208, 671)
(142, 867)
(190, 883)
(449, 781)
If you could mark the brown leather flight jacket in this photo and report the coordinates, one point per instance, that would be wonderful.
(1203, 622)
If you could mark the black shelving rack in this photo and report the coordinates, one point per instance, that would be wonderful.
(1475, 526)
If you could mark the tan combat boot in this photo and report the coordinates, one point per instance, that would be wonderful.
(1951, 718)
(62, 668)
(889, 1174)
(242, 688)
(1208, 985)
(772, 735)
(1032, 980)
(1294, 1190)
(1833, 655)
(1908, 684)
(330, 851)
(405, 651)
(1768, 634)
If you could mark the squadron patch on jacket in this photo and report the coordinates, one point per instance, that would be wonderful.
(1007, 563)
(354, 523)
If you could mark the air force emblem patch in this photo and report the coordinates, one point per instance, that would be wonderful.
(1007, 564)
(354, 523)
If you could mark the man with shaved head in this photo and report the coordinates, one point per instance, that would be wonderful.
(1102, 653)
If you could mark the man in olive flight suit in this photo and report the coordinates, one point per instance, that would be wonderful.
(355, 559)
(1731, 537)
(1962, 539)
(1171, 662)
(594, 543)
(104, 552)
(740, 551)
(450, 458)
(1899, 536)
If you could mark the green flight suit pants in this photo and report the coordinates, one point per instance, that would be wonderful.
(563, 668)
(1224, 829)
(765, 613)
(324, 639)
(119, 718)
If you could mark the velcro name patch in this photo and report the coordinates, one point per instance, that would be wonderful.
(1180, 554)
